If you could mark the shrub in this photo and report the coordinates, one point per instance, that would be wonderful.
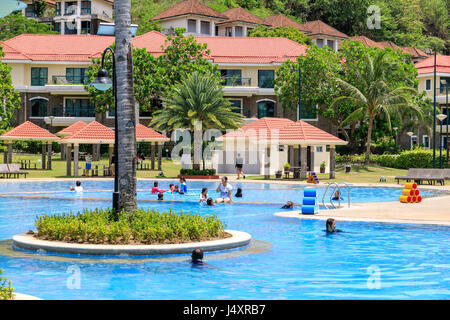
(141, 226)
(192, 172)
(6, 290)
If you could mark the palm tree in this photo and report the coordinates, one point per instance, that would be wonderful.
(197, 103)
(373, 94)
(126, 113)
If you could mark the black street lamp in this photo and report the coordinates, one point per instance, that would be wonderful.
(441, 117)
(434, 113)
(103, 83)
(444, 82)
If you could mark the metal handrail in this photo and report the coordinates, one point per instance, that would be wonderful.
(348, 192)
(325, 193)
(337, 186)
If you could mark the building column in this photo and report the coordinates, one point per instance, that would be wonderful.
(303, 159)
(43, 155)
(153, 152)
(244, 32)
(49, 157)
(9, 159)
(5, 156)
(76, 149)
(198, 27)
(295, 156)
(68, 148)
(332, 162)
(291, 155)
(213, 29)
(160, 148)
(96, 152)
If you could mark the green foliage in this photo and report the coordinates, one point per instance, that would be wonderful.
(40, 7)
(282, 32)
(141, 226)
(9, 98)
(16, 24)
(6, 290)
(192, 172)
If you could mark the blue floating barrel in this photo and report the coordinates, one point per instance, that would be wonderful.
(308, 209)
(309, 201)
(309, 193)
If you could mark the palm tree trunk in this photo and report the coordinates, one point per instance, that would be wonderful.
(197, 145)
(369, 139)
(126, 110)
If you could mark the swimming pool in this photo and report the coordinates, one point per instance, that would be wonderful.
(290, 259)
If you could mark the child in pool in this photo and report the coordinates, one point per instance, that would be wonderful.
(183, 186)
(238, 193)
(204, 195)
(288, 205)
(78, 187)
(155, 188)
(172, 188)
(210, 202)
(160, 196)
(337, 195)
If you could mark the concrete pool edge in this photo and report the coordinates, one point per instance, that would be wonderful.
(238, 239)
(23, 297)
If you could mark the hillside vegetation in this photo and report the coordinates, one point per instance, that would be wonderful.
(419, 23)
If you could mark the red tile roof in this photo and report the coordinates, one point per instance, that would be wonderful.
(283, 130)
(72, 129)
(416, 53)
(189, 7)
(11, 53)
(320, 27)
(152, 41)
(368, 42)
(427, 65)
(242, 15)
(144, 133)
(280, 20)
(252, 49)
(94, 132)
(389, 44)
(28, 131)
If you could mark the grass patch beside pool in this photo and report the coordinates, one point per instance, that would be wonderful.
(101, 226)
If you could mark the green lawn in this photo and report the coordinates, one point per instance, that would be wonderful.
(359, 173)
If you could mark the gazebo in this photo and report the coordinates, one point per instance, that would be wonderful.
(156, 139)
(92, 133)
(67, 132)
(271, 142)
(29, 131)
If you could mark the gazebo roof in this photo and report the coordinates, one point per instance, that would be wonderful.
(28, 131)
(93, 133)
(72, 129)
(284, 131)
(145, 134)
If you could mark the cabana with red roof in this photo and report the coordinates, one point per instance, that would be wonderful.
(67, 132)
(93, 133)
(29, 131)
(156, 139)
(268, 143)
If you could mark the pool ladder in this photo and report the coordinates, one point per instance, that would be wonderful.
(337, 187)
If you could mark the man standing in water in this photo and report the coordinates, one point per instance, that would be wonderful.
(225, 190)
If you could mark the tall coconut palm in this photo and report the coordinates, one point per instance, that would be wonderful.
(197, 103)
(373, 94)
(125, 107)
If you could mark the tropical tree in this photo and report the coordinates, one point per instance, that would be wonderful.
(373, 93)
(197, 103)
(9, 98)
(16, 24)
(126, 113)
(281, 32)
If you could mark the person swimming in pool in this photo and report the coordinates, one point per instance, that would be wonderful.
(183, 186)
(172, 188)
(337, 195)
(197, 256)
(331, 226)
(210, 202)
(78, 187)
(288, 205)
(225, 189)
(155, 188)
(160, 196)
(204, 195)
(238, 193)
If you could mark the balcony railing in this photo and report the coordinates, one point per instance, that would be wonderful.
(60, 111)
(236, 82)
(61, 80)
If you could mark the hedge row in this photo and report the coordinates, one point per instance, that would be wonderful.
(192, 172)
(416, 158)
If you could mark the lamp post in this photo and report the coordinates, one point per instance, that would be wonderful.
(434, 113)
(299, 90)
(441, 117)
(410, 134)
(395, 139)
(51, 123)
(103, 83)
(444, 82)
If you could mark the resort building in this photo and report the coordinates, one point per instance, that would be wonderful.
(281, 21)
(239, 23)
(49, 71)
(324, 35)
(73, 17)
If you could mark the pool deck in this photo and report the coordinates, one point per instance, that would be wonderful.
(433, 210)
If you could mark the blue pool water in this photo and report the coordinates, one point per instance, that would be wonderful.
(291, 259)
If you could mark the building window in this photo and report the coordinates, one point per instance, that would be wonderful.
(265, 78)
(70, 27)
(205, 27)
(85, 7)
(442, 86)
(428, 84)
(29, 11)
(231, 77)
(192, 26)
(319, 149)
(319, 43)
(76, 75)
(58, 26)
(58, 9)
(238, 32)
(236, 105)
(228, 31)
(85, 27)
(217, 30)
(413, 142)
(39, 76)
(426, 141)
(266, 108)
(71, 8)
(79, 108)
(330, 43)
(39, 107)
(308, 112)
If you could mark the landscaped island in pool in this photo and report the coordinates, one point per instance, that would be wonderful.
(287, 258)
